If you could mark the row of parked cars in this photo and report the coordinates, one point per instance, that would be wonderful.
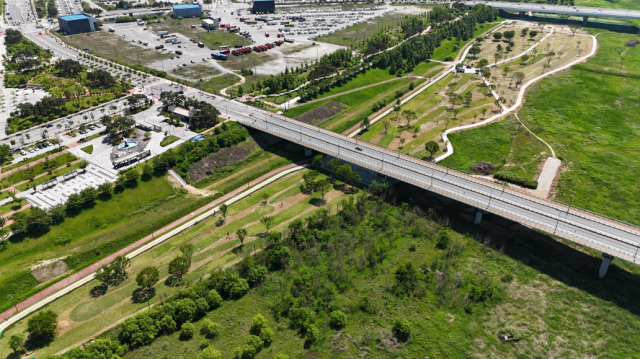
(36, 148)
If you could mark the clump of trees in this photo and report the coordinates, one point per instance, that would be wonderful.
(205, 115)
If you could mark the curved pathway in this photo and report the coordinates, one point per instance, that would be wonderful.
(360, 88)
(519, 101)
(84, 276)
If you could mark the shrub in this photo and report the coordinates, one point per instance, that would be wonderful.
(402, 329)
(313, 333)
(257, 323)
(255, 342)
(210, 353)
(515, 179)
(204, 344)
(187, 331)
(444, 238)
(214, 299)
(43, 324)
(338, 319)
(267, 335)
(244, 352)
(209, 329)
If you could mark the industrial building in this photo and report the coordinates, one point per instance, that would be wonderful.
(210, 23)
(190, 10)
(77, 23)
(264, 7)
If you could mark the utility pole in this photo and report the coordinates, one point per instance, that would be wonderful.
(14, 304)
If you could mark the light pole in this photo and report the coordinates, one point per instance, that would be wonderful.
(152, 237)
(146, 296)
(14, 304)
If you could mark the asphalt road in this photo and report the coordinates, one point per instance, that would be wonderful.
(606, 235)
(560, 9)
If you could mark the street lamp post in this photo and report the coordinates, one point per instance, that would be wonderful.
(152, 237)
(146, 296)
(14, 304)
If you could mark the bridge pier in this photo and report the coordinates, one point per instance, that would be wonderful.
(584, 20)
(478, 217)
(522, 13)
(606, 260)
(307, 152)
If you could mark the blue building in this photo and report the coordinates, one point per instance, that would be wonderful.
(77, 23)
(190, 10)
(264, 7)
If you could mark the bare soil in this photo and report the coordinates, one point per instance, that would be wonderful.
(49, 270)
(221, 159)
(322, 113)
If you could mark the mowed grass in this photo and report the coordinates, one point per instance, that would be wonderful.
(107, 221)
(618, 4)
(370, 77)
(108, 45)
(589, 116)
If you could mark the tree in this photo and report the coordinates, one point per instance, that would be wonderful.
(402, 329)
(497, 56)
(322, 186)
(188, 250)
(223, 209)
(518, 77)
(475, 50)
(509, 35)
(5, 153)
(333, 166)
(525, 58)
(550, 56)
(242, 234)
(17, 342)
(497, 35)
(573, 29)
(484, 110)
(68, 68)
(187, 331)
(179, 266)
(342, 173)
(317, 161)
(42, 325)
(524, 32)
(432, 147)
(148, 277)
(533, 34)
(267, 221)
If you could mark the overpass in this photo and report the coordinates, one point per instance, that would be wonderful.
(613, 238)
(584, 11)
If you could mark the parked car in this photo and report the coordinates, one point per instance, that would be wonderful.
(22, 152)
(49, 144)
(30, 150)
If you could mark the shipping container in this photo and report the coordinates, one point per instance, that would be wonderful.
(288, 39)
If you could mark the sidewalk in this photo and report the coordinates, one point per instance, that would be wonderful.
(87, 271)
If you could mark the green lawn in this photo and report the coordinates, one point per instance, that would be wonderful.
(169, 140)
(589, 116)
(42, 167)
(56, 173)
(29, 160)
(618, 4)
(88, 149)
(372, 76)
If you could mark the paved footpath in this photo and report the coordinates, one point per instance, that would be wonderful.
(86, 271)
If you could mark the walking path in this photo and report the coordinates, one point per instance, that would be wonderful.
(33, 163)
(359, 88)
(84, 276)
(545, 180)
(518, 102)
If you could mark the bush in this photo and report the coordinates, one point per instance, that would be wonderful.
(257, 323)
(338, 319)
(210, 353)
(444, 238)
(402, 329)
(187, 331)
(267, 335)
(209, 329)
(43, 324)
(515, 179)
(255, 342)
(214, 299)
(313, 333)
(244, 352)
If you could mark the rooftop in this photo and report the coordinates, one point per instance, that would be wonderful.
(74, 17)
(188, 6)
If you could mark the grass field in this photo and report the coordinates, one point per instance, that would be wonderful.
(618, 4)
(372, 76)
(588, 116)
(356, 34)
(211, 39)
(110, 46)
(151, 202)
(196, 72)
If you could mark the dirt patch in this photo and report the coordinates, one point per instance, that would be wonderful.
(49, 269)
(632, 43)
(483, 168)
(221, 159)
(322, 113)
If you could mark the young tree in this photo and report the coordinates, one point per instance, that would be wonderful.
(550, 56)
(223, 209)
(267, 221)
(525, 58)
(509, 35)
(484, 110)
(179, 266)
(147, 277)
(17, 342)
(518, 77)
(343, 172)
(497, 56)
(533, 34)
(242, 234)
(475, 50)
(497, 35)
(188, 250)
(322, 186)
(524, 32)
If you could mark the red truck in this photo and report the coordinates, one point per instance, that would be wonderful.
(225, 52)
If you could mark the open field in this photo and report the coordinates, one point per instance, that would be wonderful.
(449, 49)
(588, 116)
(356, 34)
(111, 46)
(370, 77)
(196, 72)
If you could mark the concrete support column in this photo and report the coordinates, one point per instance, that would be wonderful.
(606, 260)
(478, 217)
(307, 152)
(584, 20)
(521, 13)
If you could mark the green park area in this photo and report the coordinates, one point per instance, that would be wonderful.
(375, 278)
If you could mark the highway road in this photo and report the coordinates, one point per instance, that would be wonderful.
(559, 9)
(609, 236)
